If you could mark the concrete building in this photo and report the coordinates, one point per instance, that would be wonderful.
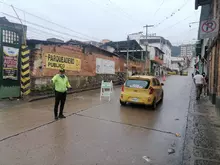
(104, 41)
(136, 55)
(95, 43)
(208, 49)
(13, 35)
(55, 40)
(156, 60)
(155, 41)
(177, 63)
(165, 46)
(187, 50)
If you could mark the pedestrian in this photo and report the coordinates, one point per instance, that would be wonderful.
(199, 82)
(205, 83)
(61, 85)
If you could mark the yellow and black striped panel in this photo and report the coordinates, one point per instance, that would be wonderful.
(25, 70)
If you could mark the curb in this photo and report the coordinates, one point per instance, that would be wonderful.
(37, 98)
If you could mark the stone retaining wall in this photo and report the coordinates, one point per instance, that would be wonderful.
(43, 86)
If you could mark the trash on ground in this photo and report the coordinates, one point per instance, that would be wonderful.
(78, 97)
(178, 135)
(177, 119)
(173, 144)
(171, 151)
(146, 158)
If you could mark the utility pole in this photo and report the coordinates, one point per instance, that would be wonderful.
(127, 53)
(24, 34)
(146, 55)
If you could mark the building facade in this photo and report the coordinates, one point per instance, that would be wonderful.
(156, 60)
(156, 41)
(164, 45)
(131, 52)
(187, 50)
(13, 36)
(208, 49)
(177, 63)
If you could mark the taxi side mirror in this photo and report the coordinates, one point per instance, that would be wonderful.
(162, 84)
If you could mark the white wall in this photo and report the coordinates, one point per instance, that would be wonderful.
(167, 50)
(164, 47)
(175, 61)
(152, 52)
(135, 36)
(110, 49)
(175, 66)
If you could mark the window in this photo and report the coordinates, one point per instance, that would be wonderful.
(141, 84)
(10, 37)
(154, 82)
(158, 82)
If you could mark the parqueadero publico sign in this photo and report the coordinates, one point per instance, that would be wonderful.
(55, 61)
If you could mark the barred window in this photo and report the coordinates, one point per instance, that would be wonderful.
(10, 37)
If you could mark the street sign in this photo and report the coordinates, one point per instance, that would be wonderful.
(106, 89)
(209, 28)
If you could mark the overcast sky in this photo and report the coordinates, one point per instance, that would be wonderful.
(107, 19)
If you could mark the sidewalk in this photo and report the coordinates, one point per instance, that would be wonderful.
(26, 116)
(202, 139)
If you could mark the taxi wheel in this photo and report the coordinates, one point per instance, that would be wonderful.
(122, 103)
(154, 105)
(162, 97)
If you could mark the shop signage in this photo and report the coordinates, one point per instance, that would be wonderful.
(55, 61)
(10, 63)
(105, 66)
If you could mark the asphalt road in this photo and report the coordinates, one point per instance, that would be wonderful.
(97, 132)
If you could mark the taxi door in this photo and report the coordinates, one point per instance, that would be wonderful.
(157, 89)
(160, 90)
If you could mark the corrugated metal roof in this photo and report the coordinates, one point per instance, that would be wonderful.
(124, 45)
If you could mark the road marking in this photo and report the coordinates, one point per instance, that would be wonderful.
(146, 158)
(128, 124)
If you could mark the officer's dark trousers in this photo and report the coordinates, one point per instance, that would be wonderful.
(60, 98)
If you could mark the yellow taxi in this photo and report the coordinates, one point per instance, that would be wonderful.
(145, 90)
(185, 73)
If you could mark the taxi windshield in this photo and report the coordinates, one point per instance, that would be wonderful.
(142, 84)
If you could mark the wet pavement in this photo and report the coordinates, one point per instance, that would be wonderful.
(97, 132)
(202, 142)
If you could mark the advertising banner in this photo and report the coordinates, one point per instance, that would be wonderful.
(106, 89)
(105, 66)
(10, 63)
(55, 61)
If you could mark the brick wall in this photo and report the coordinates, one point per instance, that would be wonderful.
(88, 62)
(85, 78)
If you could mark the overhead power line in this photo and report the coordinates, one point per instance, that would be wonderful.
(115, 12)
(169, 27)
(61, 26)
(159, 7)
(120, 9)
(183, 32)
(172, 14)
(31, 28)
(41, 26)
